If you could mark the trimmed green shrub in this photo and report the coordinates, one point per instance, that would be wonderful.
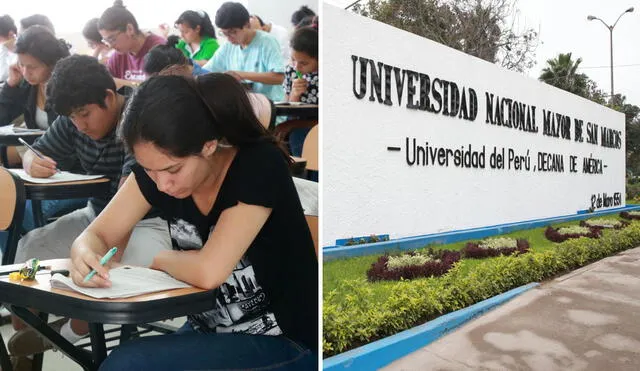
(356, 318)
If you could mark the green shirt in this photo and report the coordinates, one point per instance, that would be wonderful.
(208, 46)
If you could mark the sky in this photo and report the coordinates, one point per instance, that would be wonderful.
(563, 27)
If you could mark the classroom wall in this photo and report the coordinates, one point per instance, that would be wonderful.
(371, 181)
(279, 12)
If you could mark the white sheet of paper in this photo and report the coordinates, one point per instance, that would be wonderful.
(63, 176)
(126, 281)
(15, 130)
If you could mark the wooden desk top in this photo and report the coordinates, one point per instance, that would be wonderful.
(62, 184)
(40, 295)
(298, 110)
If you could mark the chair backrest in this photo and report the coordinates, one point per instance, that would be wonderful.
(310, 149)
(12, 199)
(7, 199)
(283, 129)
(308, 194)
(312, 222)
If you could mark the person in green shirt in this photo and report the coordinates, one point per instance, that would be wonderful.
(198, 36)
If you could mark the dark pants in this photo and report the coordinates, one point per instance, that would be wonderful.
(190, 350)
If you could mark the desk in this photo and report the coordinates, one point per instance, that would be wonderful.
(8, 139)
(141, 309)
(298, 165)
(62, 191)
(301, 111)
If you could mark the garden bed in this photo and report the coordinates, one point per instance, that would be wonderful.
(357, 312)
(562, 234)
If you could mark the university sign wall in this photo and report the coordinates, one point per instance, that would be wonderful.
(420, 138)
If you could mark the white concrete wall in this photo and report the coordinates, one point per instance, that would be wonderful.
(368, 189)
(279, 11)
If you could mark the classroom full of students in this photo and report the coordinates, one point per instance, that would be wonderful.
(181, 124)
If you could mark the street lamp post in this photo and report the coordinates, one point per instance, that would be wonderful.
(591, 18)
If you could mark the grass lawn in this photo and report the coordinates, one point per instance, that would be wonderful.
(335, 271)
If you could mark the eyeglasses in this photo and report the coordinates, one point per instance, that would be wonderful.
(112, 39)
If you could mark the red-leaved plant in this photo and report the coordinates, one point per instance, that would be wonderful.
(553, 235)
(473, 250)
(626, 215)
(442, 261)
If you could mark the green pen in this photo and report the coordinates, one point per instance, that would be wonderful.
(103, 261)
(299, 74)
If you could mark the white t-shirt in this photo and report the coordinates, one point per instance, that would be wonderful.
(7, 58)
(282, 35)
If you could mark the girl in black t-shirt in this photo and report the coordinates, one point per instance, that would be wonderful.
(236, 222)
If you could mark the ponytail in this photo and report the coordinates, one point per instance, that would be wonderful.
(117, 18)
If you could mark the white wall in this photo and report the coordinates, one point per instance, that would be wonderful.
(371, 190)
(279, 11)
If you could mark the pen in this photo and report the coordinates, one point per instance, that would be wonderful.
(103, 261)
(34, 150)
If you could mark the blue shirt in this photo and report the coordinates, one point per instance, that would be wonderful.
(261, 55)
(197, 70)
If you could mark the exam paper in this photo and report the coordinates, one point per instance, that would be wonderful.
(126, 281)
(16, 130)
(63, 176)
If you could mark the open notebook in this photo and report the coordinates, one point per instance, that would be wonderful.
(63, 176)
(126, 281)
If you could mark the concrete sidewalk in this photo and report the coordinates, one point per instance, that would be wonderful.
(588, 319)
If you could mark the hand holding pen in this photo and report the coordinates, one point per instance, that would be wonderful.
(38, 166)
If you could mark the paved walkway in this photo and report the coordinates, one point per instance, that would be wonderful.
(588, 319)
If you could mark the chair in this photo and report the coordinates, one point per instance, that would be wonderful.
(12, 199)
(312, 222)
(282, 130)
(310, 153)
(308, 194)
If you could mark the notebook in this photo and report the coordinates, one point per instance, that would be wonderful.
(126, 281)
(63, 176)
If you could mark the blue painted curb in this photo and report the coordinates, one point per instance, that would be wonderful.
(417, 242)
(382, 352)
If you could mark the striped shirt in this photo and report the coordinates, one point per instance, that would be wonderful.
(76, 152)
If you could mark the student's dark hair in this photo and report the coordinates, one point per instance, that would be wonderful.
(232, 15)
(310, 21)
(163, 56)
(76, 81)
(117, 18)
(40, 43)
(35, 20)
(259, 19)
(200, 18)
(300, 14)
(305, 40)
(90, 31)
(7, 25)
(179, 114)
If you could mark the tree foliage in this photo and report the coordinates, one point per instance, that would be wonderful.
(562, 72)
(477, 27)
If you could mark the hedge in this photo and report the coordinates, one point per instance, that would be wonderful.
(355, 318)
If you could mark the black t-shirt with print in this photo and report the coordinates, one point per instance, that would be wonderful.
(274, 288)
